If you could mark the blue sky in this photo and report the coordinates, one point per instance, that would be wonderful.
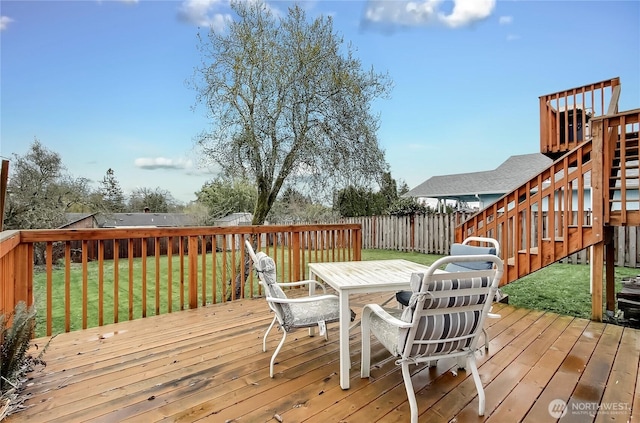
(102, 83)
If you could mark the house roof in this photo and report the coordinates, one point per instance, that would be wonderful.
(241, 218)
(465, 186)
(118, 220)
(71, 218)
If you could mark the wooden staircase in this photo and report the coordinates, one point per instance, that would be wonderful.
(591, 186)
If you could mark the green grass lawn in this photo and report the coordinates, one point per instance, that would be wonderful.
(560, 288)
(139, 289)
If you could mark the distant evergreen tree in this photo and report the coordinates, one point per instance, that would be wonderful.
(112, 194)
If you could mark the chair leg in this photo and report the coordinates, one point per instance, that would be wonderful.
(486, 340)
(411, 395)
(264, 339)
(365, 354)
(471, 363)
(273, 357)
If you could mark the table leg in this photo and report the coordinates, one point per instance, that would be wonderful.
(345, 356)
(312, 291)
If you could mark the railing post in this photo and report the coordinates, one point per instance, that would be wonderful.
(601, 165)
(357, 247)
(4, 178)
(23, 279)
(296, 245)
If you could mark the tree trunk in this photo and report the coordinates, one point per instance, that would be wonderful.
(236, 292)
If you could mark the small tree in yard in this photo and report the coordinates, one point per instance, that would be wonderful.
(225, 196)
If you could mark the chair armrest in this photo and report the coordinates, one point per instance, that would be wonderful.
(307, 282)
(301, 300)
(384, 315)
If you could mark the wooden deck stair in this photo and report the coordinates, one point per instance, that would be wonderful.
(592, 186)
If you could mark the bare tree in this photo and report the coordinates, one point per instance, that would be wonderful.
(288, 102)
(39, 192)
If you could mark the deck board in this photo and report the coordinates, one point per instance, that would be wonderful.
(207, 365)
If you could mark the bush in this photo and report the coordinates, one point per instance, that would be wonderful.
(15, 361)
(406, 207)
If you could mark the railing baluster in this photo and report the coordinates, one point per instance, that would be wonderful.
(85, 284)
(67, 286)
(49, 250)
(156, 255)
(130, 252)
(116, 279)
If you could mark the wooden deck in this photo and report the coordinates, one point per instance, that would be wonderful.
(207, 365)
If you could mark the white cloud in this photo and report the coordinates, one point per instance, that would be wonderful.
(405, 13)
(505, 20)
(153, 163)
(425, 12)
(203, 13)
(466, 12)
(4, 22)
(512, 37)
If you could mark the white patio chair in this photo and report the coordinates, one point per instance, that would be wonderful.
(444, 318)
(292, 313)
(487, 246)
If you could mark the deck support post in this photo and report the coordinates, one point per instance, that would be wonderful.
(610, 276)
(597, 264)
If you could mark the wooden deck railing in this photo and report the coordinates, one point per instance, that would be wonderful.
(160, 271)
(565, 116)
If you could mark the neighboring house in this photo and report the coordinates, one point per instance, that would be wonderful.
(234, 219)
(80, 221)
(482, 188)
(123, 220)
(127, 220)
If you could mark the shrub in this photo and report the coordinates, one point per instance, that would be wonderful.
(407, 206)
(15, 360)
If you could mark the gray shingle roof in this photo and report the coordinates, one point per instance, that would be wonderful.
(116, 220)
(509, 175)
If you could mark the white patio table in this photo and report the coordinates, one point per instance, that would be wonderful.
(352, 277)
